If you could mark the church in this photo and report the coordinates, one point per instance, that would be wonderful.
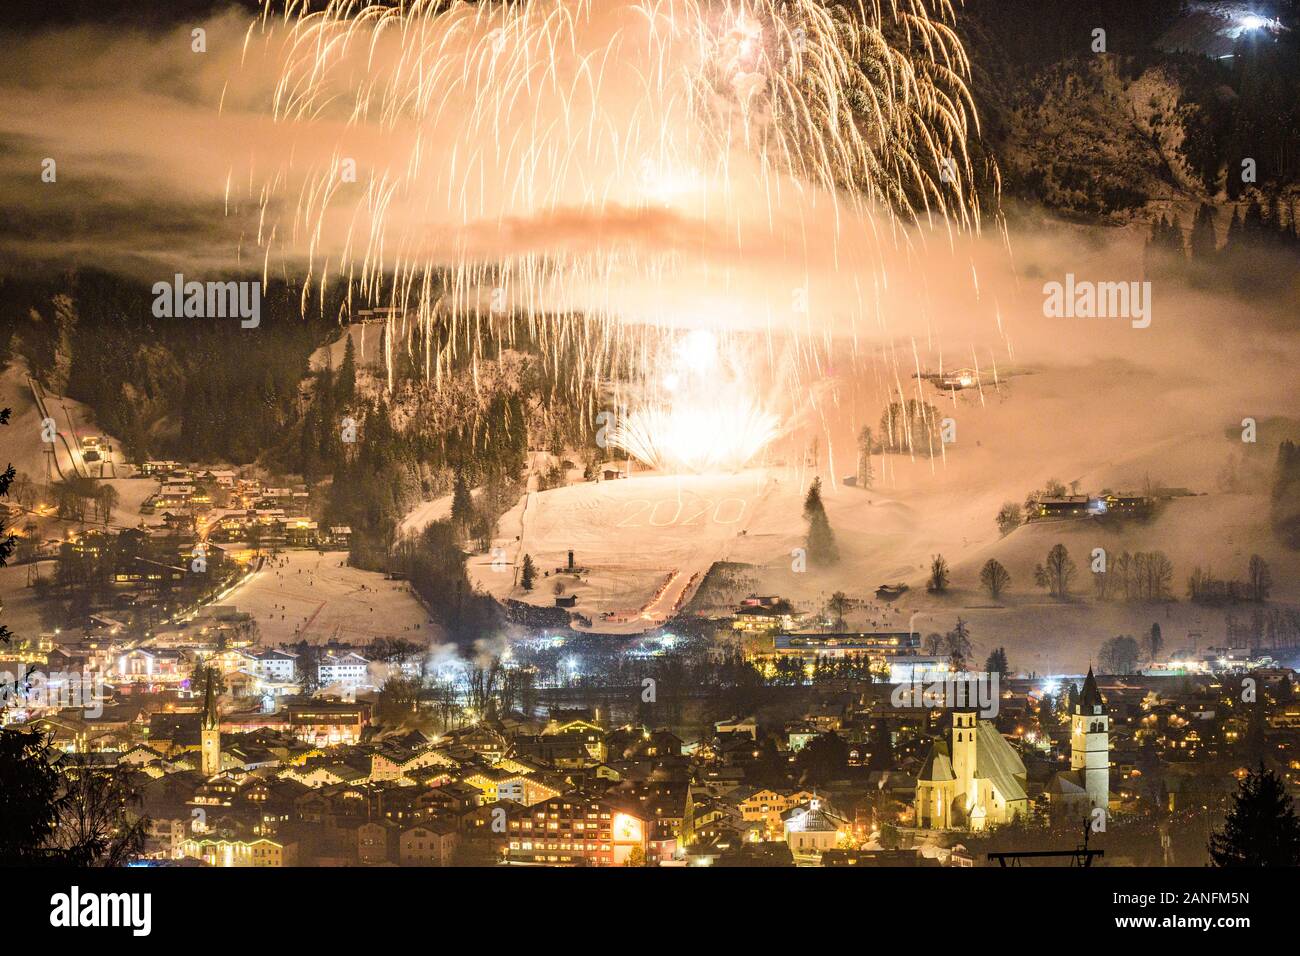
(1086, 785)
(979, 781)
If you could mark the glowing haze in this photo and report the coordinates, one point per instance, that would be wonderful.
(596, 176)
(618, 163)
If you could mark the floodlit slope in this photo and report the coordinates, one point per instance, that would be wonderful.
(1061, 422)
(23, 447)
(423, 515)
(645, 540)
(305, 595)
(366, 338)
(1055, 424)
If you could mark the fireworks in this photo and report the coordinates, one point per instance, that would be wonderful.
(700, 417)
(596, 163)
(697, 438)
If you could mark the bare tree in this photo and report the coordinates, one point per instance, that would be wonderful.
(1122, 568)
(446, 702)
(481, 685)
(96, 826)
(1258, 578)
(106, 499)
(865, 476)
(1119, 655)
(25, 491)
(995, 578)
(1009, 517)
(838, 606)
(1101, 584)
(938, 574)
(1157, 576)
(1057, 572)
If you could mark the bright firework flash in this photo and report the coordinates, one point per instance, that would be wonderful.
(699, 414)
(603, 169)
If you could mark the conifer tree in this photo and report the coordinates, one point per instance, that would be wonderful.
(821, 540)
(1261, 828)
(347, 380)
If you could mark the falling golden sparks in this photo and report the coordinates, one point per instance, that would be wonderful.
(560, 160)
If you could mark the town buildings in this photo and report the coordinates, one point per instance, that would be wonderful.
(975, 779)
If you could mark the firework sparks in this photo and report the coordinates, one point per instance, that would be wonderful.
(697, 437)
(700, 417)
(568, 161)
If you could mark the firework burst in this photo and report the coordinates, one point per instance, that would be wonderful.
(571, 161)
(699, 414)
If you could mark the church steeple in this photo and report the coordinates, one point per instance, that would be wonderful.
(1090, 742)
(209, 732)
(687, 830)
(1090, 700)
(210, 719)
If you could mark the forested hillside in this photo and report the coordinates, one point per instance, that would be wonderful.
(1159, 116)
(170, 388)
